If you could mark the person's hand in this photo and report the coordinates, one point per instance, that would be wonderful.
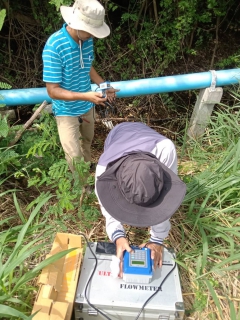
(156, 253)
(122, 245)
(111, 94)
(95, 97)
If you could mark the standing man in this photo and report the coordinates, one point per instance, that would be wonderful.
(137, 184)
(68, 71)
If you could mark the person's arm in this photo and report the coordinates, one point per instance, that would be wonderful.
(95, 77)
(114, 228)
(56, 92)
(159, 232)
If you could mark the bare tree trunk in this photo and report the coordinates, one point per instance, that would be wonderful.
(155, 11)
(140, 12)
(216, 44)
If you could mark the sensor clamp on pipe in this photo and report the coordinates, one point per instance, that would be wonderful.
(214, 81)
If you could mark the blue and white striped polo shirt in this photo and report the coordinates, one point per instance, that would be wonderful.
(61, 64)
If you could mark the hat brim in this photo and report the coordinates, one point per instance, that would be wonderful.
(162, 209)
(73, 22)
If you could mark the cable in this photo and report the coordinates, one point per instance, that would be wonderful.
(108, 107)
(160, 287)
(95, 267)
(90, 278)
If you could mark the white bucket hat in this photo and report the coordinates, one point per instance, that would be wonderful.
(86, 15)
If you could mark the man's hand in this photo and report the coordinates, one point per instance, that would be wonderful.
(95, 97)
(122, 245)
(111, 94)
(156, 253)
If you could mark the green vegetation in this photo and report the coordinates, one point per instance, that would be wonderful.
(148, 38)
(205, 232)
(38, 194)
(25, 235)
(210, 237)
(19, 243)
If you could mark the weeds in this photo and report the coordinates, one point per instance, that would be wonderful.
(210, 247)
(18, 245)
(206, 234)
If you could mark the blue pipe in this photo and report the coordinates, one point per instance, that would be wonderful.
(132, 88)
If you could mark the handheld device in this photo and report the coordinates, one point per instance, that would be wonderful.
(137, 266)
(104, 86)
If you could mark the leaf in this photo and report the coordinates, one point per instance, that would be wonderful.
(13, 300)
(24, 229)
(4, 85)
(9, 312)
(5, 220)
(198, 266)
(57, 3)
(2, 17)
(214, 296)
(183, 265)
(234, 257)
(4, 128)
(237, 157)
(18, 260)
(58, 170)
(205, 247)
(32, 274)
(23, 219)
(233, 314)
(8, 157)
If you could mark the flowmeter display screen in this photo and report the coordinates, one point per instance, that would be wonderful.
(138, 262)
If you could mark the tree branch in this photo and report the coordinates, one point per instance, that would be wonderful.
(27, 124)
(216, 44)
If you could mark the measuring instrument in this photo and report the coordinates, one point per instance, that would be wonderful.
(100, 293)
(104, 86)
(137, 266)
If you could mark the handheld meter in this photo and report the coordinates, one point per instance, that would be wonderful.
(137, 266)
(104, 86)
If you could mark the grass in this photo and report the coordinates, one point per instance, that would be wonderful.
(208, 227)
(205, 231)
(18, 244)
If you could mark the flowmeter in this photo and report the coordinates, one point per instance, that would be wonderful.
(137, 266)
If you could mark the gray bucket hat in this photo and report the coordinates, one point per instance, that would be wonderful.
(139, 190)
(86, 15)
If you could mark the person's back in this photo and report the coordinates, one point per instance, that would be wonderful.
(136, 136)
(137, 184)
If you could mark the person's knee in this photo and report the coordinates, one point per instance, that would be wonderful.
(87, 134)
(71, 149)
